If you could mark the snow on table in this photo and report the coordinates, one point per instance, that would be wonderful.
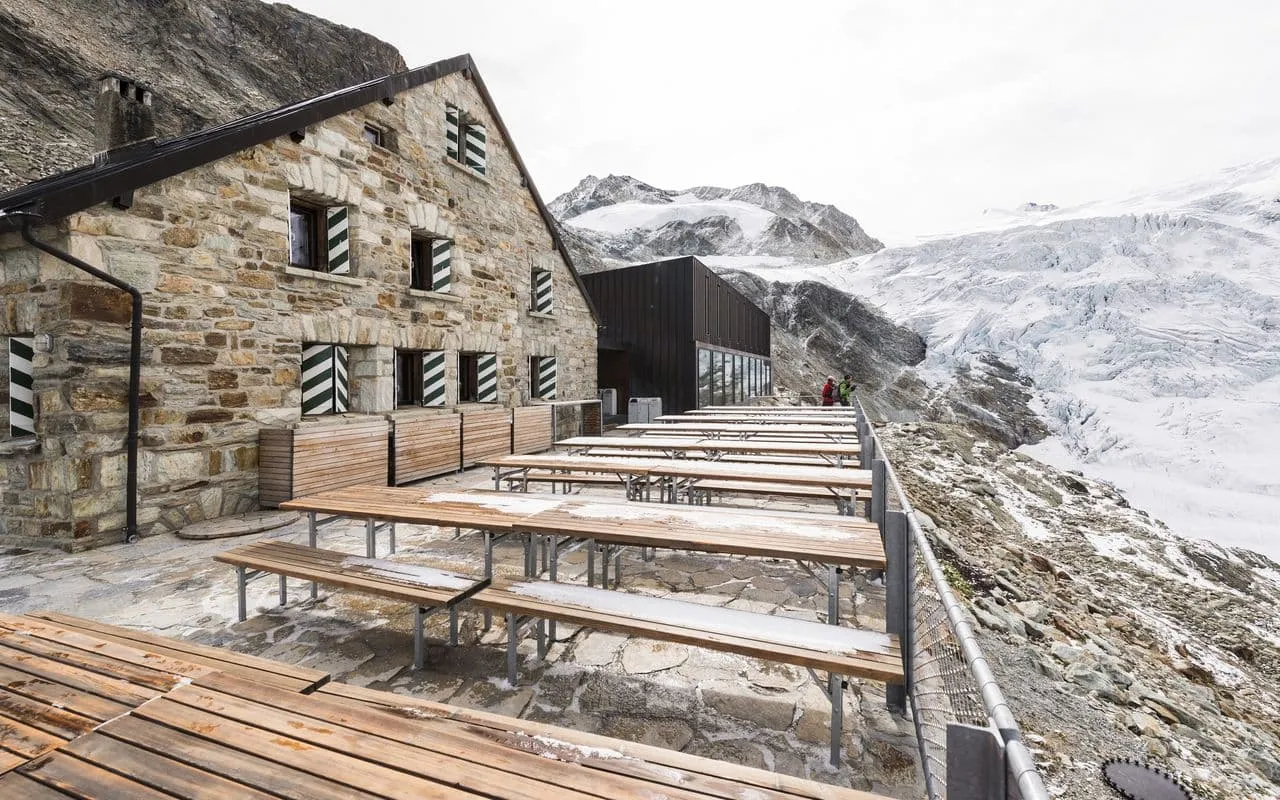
(410, 573)
(712, 619)
(509, 503)
(833, 527)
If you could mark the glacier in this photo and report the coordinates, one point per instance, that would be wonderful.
(1149, 325)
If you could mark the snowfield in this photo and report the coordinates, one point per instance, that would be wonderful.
(622, 217)
(1150, 326)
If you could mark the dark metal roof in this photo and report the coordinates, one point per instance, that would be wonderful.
(65, 193)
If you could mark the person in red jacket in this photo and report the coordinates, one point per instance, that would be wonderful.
(829, 392)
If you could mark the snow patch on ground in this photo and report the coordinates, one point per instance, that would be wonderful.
(622, 217)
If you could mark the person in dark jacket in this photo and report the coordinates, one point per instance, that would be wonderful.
(829, 392)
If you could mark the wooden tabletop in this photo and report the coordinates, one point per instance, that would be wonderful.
(832, 477)
(780, 429)
(421, 506)
(224, 737)
(771, 419)
(831, 411)
(623, 466)
(633, 442)
(824, 538)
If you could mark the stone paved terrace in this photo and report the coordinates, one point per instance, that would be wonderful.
(703, 702)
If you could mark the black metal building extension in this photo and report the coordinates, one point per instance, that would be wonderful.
(673, 329)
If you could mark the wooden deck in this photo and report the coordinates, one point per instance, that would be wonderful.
(87, 717)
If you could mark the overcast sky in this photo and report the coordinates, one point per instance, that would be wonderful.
(912, 116)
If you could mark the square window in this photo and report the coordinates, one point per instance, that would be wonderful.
(408, 378)
(304, 235)
(431, 264)
(468, 374)
(318, 237)
(373, 135)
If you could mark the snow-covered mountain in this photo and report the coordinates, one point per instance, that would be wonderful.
(623, 220)
(1149, 329)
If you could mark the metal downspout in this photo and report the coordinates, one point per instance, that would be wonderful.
(135, 369)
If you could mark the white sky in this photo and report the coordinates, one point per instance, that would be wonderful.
(911, 116)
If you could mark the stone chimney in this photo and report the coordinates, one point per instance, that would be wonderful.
(123, 116)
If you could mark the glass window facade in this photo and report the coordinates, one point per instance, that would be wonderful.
(731, 378)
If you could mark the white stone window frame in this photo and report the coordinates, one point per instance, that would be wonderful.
(318, 182)
(427, 222)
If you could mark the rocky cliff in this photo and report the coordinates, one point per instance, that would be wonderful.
(208, 61)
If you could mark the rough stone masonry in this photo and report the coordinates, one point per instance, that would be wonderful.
(225, 317)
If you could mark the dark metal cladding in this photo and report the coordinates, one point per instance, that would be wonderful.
(655, 316)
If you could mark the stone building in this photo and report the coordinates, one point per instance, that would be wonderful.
(372, 251)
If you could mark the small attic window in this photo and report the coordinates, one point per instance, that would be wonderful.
(373, 135)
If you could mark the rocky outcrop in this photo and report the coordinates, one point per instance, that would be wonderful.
(839, 333)
(1110, 636)
(208, 62)
(705, 223)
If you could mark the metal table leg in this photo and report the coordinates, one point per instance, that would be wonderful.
(370, 539)
(311, 538)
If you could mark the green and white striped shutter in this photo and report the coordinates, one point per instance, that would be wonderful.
(451, 132)
(475, 148)
(441, 257)
(22, 407)
(339, 244)
(542, 299)
(433, 378)
(487, 377)
(547, 378)
(324, 379)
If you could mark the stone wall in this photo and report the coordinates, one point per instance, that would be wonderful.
(225, 317)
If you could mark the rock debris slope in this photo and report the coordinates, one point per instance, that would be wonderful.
(209, 61)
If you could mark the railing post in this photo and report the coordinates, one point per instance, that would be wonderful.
(879, 492)
(898, 620)
(975, 763)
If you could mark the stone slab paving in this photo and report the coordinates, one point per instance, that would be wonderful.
(709, 703)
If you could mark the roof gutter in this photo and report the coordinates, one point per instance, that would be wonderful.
(135, 367)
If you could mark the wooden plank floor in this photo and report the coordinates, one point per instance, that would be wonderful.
(222, 736)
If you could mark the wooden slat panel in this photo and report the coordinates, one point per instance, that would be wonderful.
(275, 466)
(156, 771)
(427, 446)
(532, 429)
(212, 758)
(81, 779)
(18, 785)
(45, 716)
(53, 692)
(275, 673)
(742, 780)
(485, 434)
(76, 678)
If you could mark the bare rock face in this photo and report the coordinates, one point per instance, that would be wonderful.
(208, 62)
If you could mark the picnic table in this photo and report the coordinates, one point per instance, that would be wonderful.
(764, 411)
(771, 419)
(815, 453)
(744, 430)
(682, 476)
(521, 469)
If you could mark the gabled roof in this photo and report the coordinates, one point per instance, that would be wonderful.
(65, 193)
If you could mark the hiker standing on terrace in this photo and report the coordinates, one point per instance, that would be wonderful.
(829, 392)
(845, 390)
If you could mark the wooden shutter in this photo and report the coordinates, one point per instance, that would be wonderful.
(487, 377)
(451, 132)
(22, 408)
(542, 299)
(441, 259)
(339, 244)
(433, 378)
(475, 148)
(547, 378)
(324, 379)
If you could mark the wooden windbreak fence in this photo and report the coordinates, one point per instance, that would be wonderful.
(485, 434)
(312, 458)
(426, 446)
(531, 429)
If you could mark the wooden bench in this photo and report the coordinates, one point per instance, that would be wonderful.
(839, 650)
(704, 491)
(261, 670)
(565, 480)
(425, 589)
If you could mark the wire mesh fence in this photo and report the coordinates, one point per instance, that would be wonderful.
(949, 683)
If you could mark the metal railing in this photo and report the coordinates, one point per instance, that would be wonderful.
(970, 745)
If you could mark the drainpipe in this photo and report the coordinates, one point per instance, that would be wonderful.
(135, 369)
